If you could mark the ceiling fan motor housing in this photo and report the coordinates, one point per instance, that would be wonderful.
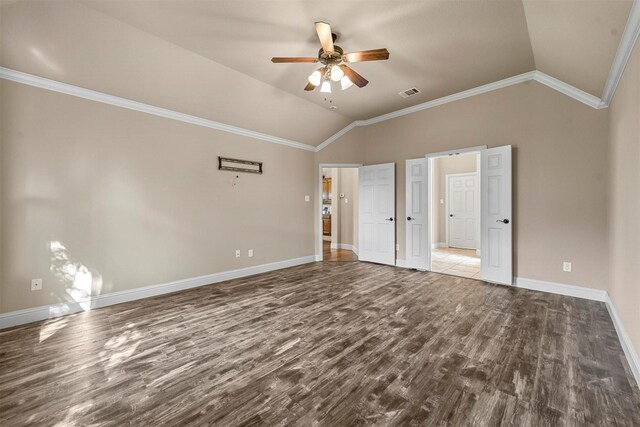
(332, 57)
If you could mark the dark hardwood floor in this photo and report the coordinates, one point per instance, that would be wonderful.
(333, 343)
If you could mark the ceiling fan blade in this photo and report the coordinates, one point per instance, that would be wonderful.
(356, 78)
(280, 60)
(309, 87)
(366, 55)
(324, 34)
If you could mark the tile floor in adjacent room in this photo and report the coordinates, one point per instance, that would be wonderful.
(455, 261)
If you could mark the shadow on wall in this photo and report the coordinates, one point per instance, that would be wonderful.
(80, 282)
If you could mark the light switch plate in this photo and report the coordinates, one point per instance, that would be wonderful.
(250, 253)
(307, 198)
(566, 266)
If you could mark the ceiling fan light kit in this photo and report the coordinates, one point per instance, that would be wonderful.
(332, 57)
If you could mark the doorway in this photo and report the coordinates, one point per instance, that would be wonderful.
(338, 217)
(455, 214)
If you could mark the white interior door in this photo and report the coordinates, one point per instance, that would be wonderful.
(462, 207)
(496, 263)
(377, 231)
(417, 208)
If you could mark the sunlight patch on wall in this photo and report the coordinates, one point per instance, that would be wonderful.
(79, 281)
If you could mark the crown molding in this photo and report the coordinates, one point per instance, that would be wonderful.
(68, 89)
(538, 76)
(451, 98)
(567, 89)
(625, 48)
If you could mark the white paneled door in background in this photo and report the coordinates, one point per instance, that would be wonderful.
(377, 234)
(495, 215)
(462, 210)
(417, 208)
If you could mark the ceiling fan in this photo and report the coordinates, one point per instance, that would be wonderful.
(332, 57)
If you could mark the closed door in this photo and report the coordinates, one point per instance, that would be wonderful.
(417, 207)
(496, 263)
(462, 206)
(377, 238)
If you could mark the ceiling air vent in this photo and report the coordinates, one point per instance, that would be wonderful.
(409, 92)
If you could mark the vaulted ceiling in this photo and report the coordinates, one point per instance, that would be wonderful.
(211, 59)
(440, 47)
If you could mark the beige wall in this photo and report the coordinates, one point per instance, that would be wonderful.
(135, 198)
(443, 166)
(560, 170)
(624, 199)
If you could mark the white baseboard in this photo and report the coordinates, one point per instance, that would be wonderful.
(401, 263)
(625, 341)
(318, 258)
(35, 314)
(345, 246)
(439, 245)
(561, 289)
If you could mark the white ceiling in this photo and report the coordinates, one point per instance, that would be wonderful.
(440, 47)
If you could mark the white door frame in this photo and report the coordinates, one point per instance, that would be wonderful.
(430, 157)
(318, 207)
(476, 210)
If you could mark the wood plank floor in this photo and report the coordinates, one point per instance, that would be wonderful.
(331, 343)
(329, 254)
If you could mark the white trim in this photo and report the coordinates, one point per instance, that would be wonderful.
(336, 135)
(625, 341)
(35, 314)
(345, 246)
(44, 83)
(510, 81)
(439, 245)
(469, 150)
(538, 76)
(333, 246)
(625, 48)
(561, 289)
(626, 45)
(567, 89)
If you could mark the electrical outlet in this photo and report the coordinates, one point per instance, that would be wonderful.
(397, 246)
(36, 284)
(250, 253)
(237, 253)
(307, 198)
(566, 266)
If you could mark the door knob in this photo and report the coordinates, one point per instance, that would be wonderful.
(409, 218)
(451, 215)
(504, 221)
(388, 219)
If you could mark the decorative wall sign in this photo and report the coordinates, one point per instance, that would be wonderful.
(237, 165)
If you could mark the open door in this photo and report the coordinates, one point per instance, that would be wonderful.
(377, 232)
(495, 215)
(417, 208)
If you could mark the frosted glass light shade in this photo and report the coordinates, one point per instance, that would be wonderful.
(345, 83)
(336, 73)
(326, 86)
(315, 77)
